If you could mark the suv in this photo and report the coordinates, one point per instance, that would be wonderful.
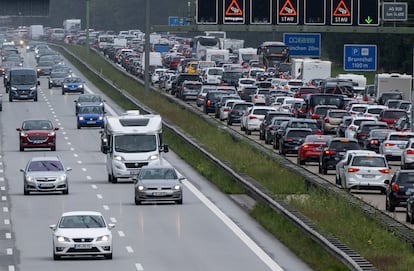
(399, 189)
(292, 139)
(37, 134)
(334, 152)
(176, 85)
(22, 84)
(212, 97)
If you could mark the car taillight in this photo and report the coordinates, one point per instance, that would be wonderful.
(317, 132)
(256, 96)
(374, 142)
(362, 134)
(252, 117)
(389, 144)
(301, 111)
(289, 139)
(208, 102)
(225, 109)
(315, 116)
(330, 152)
(327, 120)
(394, 188)
(353, 169)
(384, 170)
(306, 146)
(409, 152)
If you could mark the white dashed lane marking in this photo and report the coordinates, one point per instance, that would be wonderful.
(139, 267)
(129, 249)
(99, 196)
(121, 234)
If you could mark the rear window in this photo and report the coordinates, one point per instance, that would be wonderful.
(260, 111)
(406, 178)
(394, 114)
(340, 145)
(359, 108)
(241, 106)
(367, 161)
(401, 137)
(375, 111)
(337, 114)
(311, 125)
(367, 128)
(298, 133)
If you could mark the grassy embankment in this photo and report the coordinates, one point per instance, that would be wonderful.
(330, 213)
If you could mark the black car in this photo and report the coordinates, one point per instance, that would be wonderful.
(365, 127)
(399, 189)
(267, 121)
(374, 139)
(292, 139)
(271, 129)
(211, 99)
(334, 152)
(237, 111)
(176, 85)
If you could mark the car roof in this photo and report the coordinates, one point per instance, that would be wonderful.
(45, 158)
(74, 213)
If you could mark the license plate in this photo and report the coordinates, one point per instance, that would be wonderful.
(134, 172)
(402, 146)
(91, 122)
(23, 96)
(37, 142)
(158, 193)
(83, 246)
(368, 176)
(46, 185)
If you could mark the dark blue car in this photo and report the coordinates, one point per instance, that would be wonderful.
(90, 116)
(73, 84)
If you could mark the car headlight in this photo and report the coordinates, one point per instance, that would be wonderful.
(118, 158)
(177, 187)
(38, 69)
(23, 134)
(78, 104)
(102, 238)
(80, 118)
(80, 86)
(13, 88)
(65, 86)
(100, 118)
(62, 177)
(51, 134)
(153, 157)
(140, 187)
(29, 178)
(33, 88)
(101, 104)
(62, 239)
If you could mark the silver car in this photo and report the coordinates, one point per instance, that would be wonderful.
(158, 183)
(394, 144)
(407, 156)
(45, 174)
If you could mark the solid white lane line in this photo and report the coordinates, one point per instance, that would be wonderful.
(121, 234)
(99, 196)
(139, 266)
(129, 249)
(233, 227)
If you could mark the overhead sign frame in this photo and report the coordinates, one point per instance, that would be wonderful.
(360, 57)
(287, 12)
(234, 11)
(342, 12)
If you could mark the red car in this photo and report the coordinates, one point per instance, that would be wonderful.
(37, 134)
(391, 116)
(311, 148)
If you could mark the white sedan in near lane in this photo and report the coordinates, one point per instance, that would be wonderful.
(81, 233)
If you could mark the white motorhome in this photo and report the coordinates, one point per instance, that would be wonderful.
(131, 141)
(359, 81)
(306, 69)
(246, 55)
(217, 55)
(36, 32)
(386, 82)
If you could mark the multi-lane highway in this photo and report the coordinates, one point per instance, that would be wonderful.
(208, 232)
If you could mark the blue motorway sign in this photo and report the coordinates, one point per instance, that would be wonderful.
(301, 44)
(175, 20)
(360, 57)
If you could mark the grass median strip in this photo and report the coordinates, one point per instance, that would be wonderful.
(330, 213)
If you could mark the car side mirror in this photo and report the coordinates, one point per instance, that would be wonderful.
(165, 148)
(52, 227)
(22, 170)
(111, 226)
(75, 101)
(56, 128)
(19, 129)
(387, 181)
(38, 83)
(68, 169)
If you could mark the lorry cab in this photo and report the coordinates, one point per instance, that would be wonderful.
(130, 142)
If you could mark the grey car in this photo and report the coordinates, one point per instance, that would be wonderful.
(158, 183)
(45, 174)
(56, 79)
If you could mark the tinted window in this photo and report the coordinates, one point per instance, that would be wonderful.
(298, 134)
(375, 111)
(326, 99)
(350, 145)
(260, 111)
(366, 161)
(45, 166)
(400, 137)
(394, 114)
(406, 178)
(337, 114)
(367, 128)
(241, 106)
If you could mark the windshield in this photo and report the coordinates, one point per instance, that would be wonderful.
(82, 221)
(45, 166)
(157, 174)
(37, 125)
(23, 79)
(90, 110)
(73, 80)
(135, 143)
(367, 161)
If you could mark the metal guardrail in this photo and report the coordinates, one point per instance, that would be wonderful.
(350, 258)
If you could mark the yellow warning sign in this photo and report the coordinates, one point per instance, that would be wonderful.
(234, 9)
(342, 10)
(288, 9)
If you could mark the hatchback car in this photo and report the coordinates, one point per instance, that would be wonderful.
(226, 107)
(56, 79)
(90, 116)
(332, 120)
(400, 188)
(272, 127)
(311, 148)
(334, 152)
(293, 139)
(365, 127)
(45, 174)
(237, 111)
(391, 116)
(339, 168)
(37, 134)
(394, 144)
(375, 138)
(73, 85)
(158, 183)
(367, 172)
(89, 99)
(81, 233)
(253, 117)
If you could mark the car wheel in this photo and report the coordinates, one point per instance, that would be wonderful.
(56, 257)
(10, 98)
(35, 99)
(337, 181)
(412, 219)
(25, 191)
(180, 201)
(63, 93)
(248, 132)
(49, 86)
(319, 169)
(229, 123)
(108, 256)
(324, 170)
(66, 191)
(114, 179)
(266, 140)
(21, 148)
(53, 148)
(109, 178)
(1, 108)
(383, 191)
(388, 206)
(137, 201)
(301, 162)
(78, 126)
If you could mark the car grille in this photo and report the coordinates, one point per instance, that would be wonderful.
(45, 179)
(37, 138)
(82, 240)
(136, 165)
(158, 188)
(86, 250)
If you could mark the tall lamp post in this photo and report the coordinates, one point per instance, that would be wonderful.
(88, 3)
(147, 46)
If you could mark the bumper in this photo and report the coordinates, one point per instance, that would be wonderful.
(159, 195)
(56, 186)
(78, 249)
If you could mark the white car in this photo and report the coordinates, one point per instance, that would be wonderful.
(394, 144)
(253, 117)
(407, 156)
(287, 103)
(339, 175)
(367, 172)
(224, 109)
(80, 233)
(358, 109)
(155, 76)
(354, 125)
(212, 75)
(374, 110)
(259, 98)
